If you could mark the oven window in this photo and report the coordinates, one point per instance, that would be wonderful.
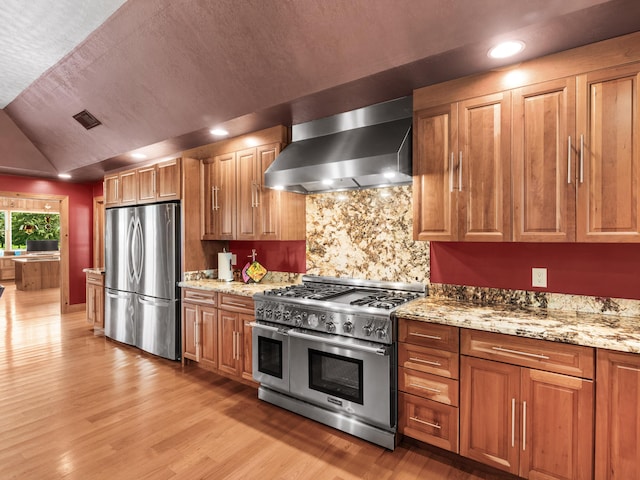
(336, 375)
(270, 356)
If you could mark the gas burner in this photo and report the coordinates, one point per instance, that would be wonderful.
(385, 300)
(312, 292)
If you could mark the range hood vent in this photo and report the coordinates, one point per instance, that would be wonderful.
(365, 148)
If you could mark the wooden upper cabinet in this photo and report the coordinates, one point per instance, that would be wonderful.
(434, 179)
(247, 194)
(128, 185)
(484, 143)
(111, 190)
(609, 166)
(154, 183)
(544, 168)
(268, 199)
(461, 170)
(237, 205)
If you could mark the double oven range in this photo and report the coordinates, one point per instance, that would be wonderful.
(326, 349)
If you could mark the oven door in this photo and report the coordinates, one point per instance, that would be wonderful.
(345, 375)
(270, 356)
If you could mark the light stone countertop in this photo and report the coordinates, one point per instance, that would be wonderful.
(237, 288)
(611, 332)
(28, 259)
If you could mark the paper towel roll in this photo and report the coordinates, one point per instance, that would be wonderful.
(224, 266)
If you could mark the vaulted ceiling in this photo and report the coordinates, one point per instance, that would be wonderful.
(160, 74)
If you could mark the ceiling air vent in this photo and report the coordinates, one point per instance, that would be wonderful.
(87, 120)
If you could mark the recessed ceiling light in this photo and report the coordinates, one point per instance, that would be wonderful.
(65, 176)
(506, 49)
(141, 156)
(219, 132)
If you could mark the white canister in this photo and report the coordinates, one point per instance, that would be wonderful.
(225, 272)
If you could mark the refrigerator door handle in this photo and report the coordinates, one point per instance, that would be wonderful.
(140, 251)
(153, 301)
(131, 266)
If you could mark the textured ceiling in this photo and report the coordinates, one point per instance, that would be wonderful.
(35, 35)
(159, 74)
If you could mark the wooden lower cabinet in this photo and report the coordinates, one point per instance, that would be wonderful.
(428, 383)
(7, 269)
(199, 328)
(234, 332)
(95, 299)
(531, 423)
(617, 416)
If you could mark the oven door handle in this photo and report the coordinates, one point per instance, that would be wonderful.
(381, 350)
(269, 328)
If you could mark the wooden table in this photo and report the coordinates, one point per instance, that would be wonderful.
(36, 273)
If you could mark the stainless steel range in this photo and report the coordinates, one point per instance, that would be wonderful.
(326, 349)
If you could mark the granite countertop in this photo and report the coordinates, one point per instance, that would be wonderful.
(612, 332)
(97, 271)
(237, 288)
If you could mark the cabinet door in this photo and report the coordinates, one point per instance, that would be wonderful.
(91, 303)
(247, 349)
(267, 199)
(618, 416)
(208, 337)
(128, 184)
(609, 167)
(557, 426)
(428, 421)
(226, 195)
(489, 413)
(190, 330)
(111, 191)
(228, 342)
(544, 174)
(147, 184)
(435, 178)
(247, 194)
(484, 153)
(210, 214)
(168, 180)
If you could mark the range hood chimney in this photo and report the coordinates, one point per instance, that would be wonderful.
(365, 148)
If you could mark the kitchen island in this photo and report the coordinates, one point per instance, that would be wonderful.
(37, 272)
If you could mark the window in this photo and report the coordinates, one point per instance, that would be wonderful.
(17, 227)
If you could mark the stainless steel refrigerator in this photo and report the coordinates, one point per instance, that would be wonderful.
(142, 262)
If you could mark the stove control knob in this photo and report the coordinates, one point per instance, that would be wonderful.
(368, 329)
(381, 333)
(347, 327)
(331, 327)
(278, 314)
(269, 313)
(297, 319)
(287, 315)
(323, 317)
(304, 315)
(260, 311)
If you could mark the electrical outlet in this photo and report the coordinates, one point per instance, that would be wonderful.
(539, 277)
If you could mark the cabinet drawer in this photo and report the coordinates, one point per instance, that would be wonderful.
(199, 297)
(429, 360)
(555, 357)
(426, 385)
(428, 421)
(236, 303)
(427, 334)
(94, 279)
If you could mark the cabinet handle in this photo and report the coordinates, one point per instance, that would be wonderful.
(424, 335)
(581, 158)
(524, 426)
(434, 425)
(117, 188)
(199, 297)
(451, 172)
(513, 422)
(517, 352)
(416, 385)
(234, 304)
(428, 362)
(196, 340)
(217, 198)
(213, 199)
(247, 324)
(234, 345)
(460, 172)
(153, 177)
(257, 195)
(569, 160)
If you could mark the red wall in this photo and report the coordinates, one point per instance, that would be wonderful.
(605, 270)
(284, 256)
(80, 222)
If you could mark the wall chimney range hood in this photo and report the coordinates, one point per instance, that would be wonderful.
(365, 148)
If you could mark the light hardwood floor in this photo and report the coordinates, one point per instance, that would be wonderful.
(74, 405)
